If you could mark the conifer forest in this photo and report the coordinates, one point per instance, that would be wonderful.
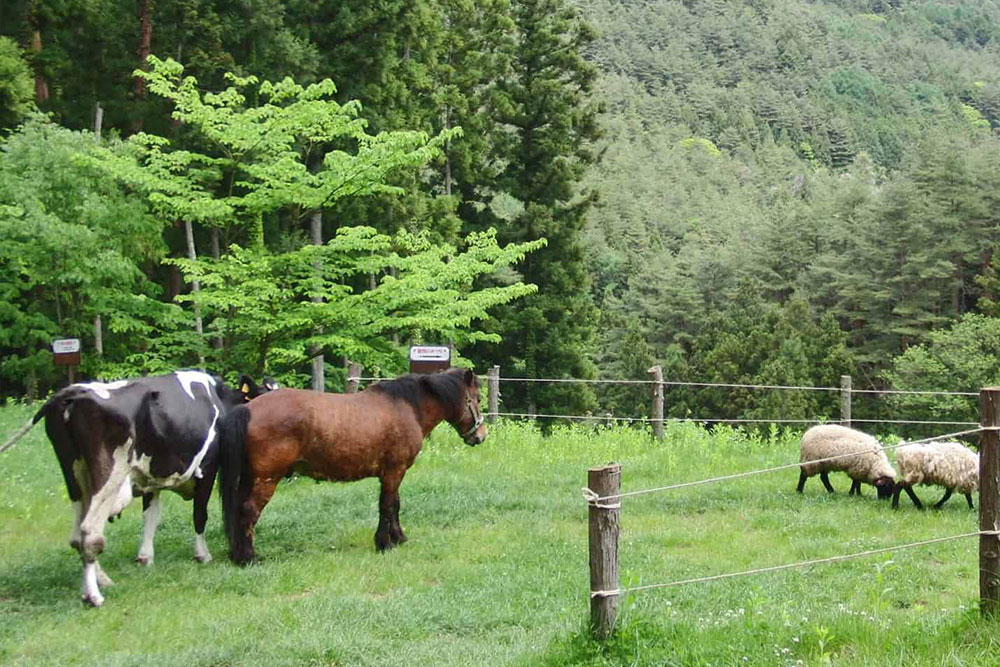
(773, 192)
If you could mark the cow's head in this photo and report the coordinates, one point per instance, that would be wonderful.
(251, 389)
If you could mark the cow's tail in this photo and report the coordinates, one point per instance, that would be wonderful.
(232, 476)
(21, 432)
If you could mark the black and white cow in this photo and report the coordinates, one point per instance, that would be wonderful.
(119, 439)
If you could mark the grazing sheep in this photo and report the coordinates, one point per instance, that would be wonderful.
(949, 464)
(871, 465)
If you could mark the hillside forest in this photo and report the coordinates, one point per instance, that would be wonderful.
(776, 192)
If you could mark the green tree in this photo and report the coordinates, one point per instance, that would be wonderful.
(16, 87)
(550, 334)
(72, 245)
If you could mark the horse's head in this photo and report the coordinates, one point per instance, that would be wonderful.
(471, 424)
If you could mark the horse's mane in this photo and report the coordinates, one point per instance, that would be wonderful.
(447, 386)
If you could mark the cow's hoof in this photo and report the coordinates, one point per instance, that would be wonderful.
(203, 558)
(93, 600)
(143, 559)
(104, 580)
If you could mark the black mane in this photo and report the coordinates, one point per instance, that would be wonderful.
(448, 386)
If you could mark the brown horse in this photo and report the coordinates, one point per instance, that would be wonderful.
(343, 437)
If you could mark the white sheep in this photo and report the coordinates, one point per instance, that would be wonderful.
(949, 464)
(871, 465)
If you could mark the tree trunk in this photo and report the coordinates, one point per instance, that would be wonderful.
(145, 39)
(195, 285)
(318, 362)
(41, 88)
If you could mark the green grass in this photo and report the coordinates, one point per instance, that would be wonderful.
(495, 572)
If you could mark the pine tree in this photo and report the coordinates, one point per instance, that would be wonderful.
(550, 334)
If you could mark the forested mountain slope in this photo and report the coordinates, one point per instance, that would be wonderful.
(776, 172)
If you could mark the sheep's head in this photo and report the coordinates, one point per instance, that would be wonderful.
(884, 487)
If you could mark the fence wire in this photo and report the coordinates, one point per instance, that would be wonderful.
(789, 566)
(591, 497)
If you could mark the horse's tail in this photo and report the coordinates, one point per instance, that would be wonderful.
(21, 432)
(232, 470)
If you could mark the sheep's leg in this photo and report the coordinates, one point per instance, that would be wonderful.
(913, 496)
(895, 496)
(855, 488)
(968, 497)
(947, 495)
(825, 478)
(802, 481)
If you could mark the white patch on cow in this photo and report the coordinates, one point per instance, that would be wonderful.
(102, 389)
(201, 553)
(91, 593)
(150, 520)
(188, 378)
(141, 466)
(103, 580)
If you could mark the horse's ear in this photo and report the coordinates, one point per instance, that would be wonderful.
(246, 386)
(470, 377)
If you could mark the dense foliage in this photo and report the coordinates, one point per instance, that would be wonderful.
(759, 191)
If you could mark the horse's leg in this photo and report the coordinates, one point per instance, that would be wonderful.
(258, 497)
(202, 494)
(389, 532)
(150, 520)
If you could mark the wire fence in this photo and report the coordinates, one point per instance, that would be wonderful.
(890, 406)
(603, 609)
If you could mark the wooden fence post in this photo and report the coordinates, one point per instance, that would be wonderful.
(989, 509)
(354, 371)
(657, 373)
(845, 400)
(493, 384)
(603, 535)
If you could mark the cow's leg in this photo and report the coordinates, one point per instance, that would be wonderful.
(202, 494)
(389, 532)
(825, 478)
(151, 511)
(106, 500)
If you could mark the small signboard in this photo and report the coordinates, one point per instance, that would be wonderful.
(429, 358)
(66, 351)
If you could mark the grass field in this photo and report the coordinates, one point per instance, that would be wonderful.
(495, 572)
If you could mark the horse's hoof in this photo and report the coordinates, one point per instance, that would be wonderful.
(143, 559)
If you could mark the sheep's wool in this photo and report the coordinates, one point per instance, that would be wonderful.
(948, 464)
(828, 440)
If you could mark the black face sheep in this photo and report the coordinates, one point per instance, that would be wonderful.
(949, 464)
(870, 466)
